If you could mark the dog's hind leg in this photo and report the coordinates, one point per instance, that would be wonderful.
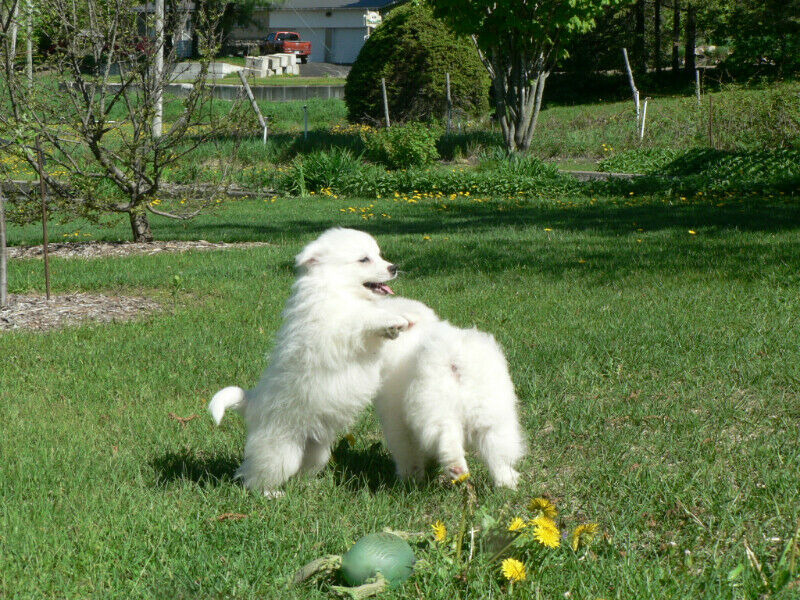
(500, 449)
(269, 462)
(315, 456)
(450, 449)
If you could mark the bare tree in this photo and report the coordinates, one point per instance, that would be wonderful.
(95, 113)
(676, 35)
(639, 40)
(689, 63)
(657, 35)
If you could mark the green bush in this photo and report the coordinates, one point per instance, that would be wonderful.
(402, 146)
(412, 50)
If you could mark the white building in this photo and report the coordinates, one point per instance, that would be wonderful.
(336, 28)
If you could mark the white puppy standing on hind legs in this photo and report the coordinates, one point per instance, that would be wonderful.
(325, 368)
(444, 390)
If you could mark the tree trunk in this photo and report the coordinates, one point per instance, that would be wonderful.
(676, 36)
(518, 81)
(657, 36)
(639, 43)
(12, 33)
(3, 256)
(29, 43)
(691, 39)
(140, 226)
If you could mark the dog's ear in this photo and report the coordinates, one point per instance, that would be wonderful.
(307, 257)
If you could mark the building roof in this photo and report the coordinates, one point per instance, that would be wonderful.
(330, 4)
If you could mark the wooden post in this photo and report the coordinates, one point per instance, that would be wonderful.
(449, 104)
(305, 121)
(261, 120)
(43, 189)
(644, 116)
(3, 255)
(385, 102)
(633, 85)
(697, 85)
(710, 122)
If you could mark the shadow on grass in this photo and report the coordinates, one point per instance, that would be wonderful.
(357, 469)
(503, 244)
(196, 467)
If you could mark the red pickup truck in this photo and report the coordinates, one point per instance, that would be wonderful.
(288, 42)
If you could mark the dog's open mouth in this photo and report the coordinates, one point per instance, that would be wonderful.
(378, 288)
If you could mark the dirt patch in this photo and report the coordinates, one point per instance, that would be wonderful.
(40, 314)
(106, 249)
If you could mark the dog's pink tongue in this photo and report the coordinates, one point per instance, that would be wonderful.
(386, 289)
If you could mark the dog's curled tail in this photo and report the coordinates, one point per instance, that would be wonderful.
(229, 397)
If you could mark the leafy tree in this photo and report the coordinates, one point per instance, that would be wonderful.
(764, 35)
(519, 42)
(413, 50)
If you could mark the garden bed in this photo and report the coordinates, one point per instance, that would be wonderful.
(106, 249)
(38, 313)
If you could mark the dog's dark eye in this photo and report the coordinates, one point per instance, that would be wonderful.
(366, 259)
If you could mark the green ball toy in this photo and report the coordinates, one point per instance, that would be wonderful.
(383, 553)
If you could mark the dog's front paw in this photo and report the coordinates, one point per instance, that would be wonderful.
(393, 330)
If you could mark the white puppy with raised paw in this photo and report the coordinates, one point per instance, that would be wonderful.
(325, 368)
(445, 390)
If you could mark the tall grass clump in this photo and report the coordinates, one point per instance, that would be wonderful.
(334, 169)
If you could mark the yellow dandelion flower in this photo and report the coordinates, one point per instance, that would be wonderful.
(439, 531)
(460, 479)
(426, 237)
(583, 535)
(547, 229)
(545, 531)
(543, 508)
(516, 524)
(692, 232)
(513, 569)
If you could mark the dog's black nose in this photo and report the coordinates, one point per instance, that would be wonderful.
(392, 269)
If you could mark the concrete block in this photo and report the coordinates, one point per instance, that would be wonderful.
(258, 65)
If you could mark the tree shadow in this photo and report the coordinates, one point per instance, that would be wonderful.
(197, 467)
(501, 241)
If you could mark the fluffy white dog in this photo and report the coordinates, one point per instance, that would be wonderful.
(445, 389)
(325, 368)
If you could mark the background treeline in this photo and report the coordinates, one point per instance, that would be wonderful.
(743, 38)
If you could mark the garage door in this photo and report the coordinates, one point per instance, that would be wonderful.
(347, 44)
(317, 39)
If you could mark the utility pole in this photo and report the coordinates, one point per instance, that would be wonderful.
(158, 75)
(29, 44)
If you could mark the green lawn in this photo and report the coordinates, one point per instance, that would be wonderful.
(658, 372)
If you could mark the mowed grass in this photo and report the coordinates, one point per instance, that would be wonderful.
(658, 373)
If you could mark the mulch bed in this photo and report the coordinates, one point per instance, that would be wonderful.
(37, 313)
(105, 249)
